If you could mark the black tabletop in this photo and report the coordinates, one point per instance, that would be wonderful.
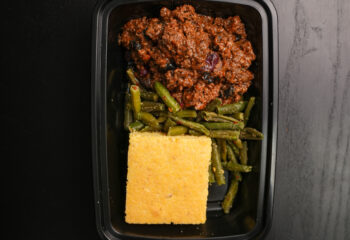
(45, 99)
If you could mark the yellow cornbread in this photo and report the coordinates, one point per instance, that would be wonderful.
(167, 179)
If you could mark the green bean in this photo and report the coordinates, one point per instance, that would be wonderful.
(132, 77)
(162, 119)
(248, 109)
(194, 133)
(177, 130)
(230, 154)
(231, 166)
(223, 125)
(243, 153)
(168, 123)
(216, 165)
(231, 108)
(211, 175)
(232, 158)
(234, 147)
(253, 131)
(235, 150)
(213, 104)
(164, 94)
(238, 143)
(222, 149)
(225, 134)
(136, 126)
(149, 119)
(251, 134)
(230, 197)
(193, 125)
(135, 100)
(186, 114)
(150, 96)
(213, 117)
(150, 129)
(127, 111)
(152, 106)
(239, 115)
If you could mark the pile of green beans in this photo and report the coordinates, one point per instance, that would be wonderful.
(225, 124)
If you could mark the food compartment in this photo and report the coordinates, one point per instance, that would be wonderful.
(247, 216)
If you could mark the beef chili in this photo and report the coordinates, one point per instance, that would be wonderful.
(198, 58)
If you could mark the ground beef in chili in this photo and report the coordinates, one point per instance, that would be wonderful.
(198, 58)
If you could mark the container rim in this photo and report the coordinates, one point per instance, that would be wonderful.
(99, 58)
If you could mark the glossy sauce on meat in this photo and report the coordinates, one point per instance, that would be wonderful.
(198, 58)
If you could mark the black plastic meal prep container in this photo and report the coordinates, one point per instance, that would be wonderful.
(252, 212)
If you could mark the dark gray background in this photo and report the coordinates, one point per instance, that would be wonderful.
(45, 111)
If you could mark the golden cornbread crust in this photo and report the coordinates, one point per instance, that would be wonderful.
(167, 179)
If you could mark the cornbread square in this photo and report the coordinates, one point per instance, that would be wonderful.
(167, 179)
